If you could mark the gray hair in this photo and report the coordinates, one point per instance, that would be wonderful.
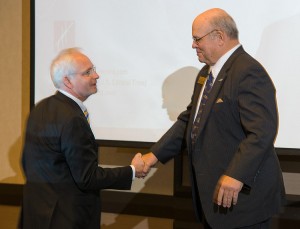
(225, 22)
(63, 64)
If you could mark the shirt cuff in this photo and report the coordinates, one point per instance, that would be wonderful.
(133, 172)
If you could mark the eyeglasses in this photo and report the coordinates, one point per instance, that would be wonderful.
(198, 39)
(88, 72)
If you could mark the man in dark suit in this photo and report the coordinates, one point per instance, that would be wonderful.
(60, 156)
(229, 129)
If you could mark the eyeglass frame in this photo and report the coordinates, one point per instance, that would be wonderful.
(198, 39)
(88, 72)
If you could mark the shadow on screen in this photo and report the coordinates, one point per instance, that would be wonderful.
(177, 90)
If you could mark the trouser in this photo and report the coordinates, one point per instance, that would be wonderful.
(266, 224)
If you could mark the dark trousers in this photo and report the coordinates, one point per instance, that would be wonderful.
(262, 225)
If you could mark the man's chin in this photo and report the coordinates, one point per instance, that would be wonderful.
(201, 59)
(95, 91)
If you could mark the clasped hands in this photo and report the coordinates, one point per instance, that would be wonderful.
(226, 191)
(143, 164)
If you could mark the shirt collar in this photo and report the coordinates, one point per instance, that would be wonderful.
(78, 101)
(218, 66)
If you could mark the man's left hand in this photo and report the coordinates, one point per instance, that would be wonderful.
(227, 191)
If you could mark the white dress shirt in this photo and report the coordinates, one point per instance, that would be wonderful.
(215, 69)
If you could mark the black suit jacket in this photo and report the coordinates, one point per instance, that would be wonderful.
(60, 161)
(236, 136)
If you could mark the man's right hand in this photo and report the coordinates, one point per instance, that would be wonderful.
(138, 164)
(150, 160)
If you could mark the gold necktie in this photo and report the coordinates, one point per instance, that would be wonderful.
(86, 114)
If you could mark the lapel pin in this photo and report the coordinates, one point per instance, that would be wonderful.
(201, 80)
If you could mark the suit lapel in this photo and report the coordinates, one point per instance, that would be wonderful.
(71, 102)
(201, 78)
(75, 107)
(197, 90)
(211, 100)
(219, 81)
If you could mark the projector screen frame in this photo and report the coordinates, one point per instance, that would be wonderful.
(101, 142)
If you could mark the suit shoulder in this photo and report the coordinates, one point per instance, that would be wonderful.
(56, 106)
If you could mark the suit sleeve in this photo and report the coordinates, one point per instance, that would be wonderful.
(81, 153)
(173, 141)
(258, 117)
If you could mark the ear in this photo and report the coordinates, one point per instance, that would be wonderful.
(221, 36)
(67, 82)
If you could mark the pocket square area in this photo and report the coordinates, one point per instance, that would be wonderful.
(219, 100)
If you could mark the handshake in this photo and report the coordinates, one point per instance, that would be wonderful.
(143, 164)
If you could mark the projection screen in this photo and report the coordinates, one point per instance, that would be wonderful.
(143, 53)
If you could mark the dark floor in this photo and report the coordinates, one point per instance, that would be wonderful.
(9, 218)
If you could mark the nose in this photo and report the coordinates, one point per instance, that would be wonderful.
(194, 45)
(96, 75)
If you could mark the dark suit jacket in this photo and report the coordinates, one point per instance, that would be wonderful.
(60, 161)
(237, 132)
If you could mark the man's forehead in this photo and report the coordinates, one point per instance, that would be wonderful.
(200, 28)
